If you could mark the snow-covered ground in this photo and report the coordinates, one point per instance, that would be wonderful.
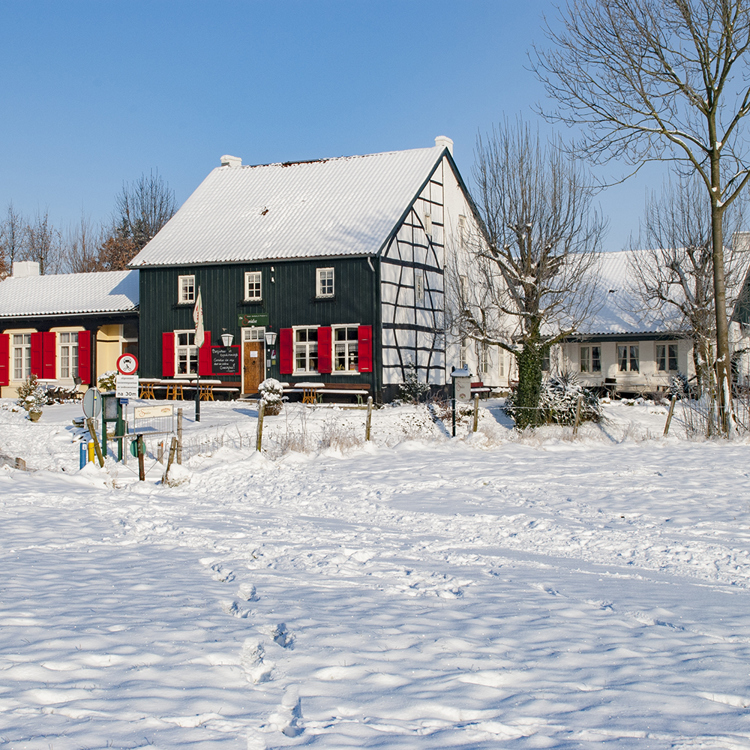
(487, 591)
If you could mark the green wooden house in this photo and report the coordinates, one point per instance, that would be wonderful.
(342, 259)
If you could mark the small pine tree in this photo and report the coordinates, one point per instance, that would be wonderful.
(411, 390)
(32, 395)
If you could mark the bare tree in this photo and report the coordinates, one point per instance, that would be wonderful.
(661, 80)
(44, 244)
(531, 279)
(13, 236)
(677, 273)
(142, 209)
(82, 247)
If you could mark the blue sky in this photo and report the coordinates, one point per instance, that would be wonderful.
(97, 93)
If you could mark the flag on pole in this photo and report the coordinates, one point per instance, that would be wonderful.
(198, 320)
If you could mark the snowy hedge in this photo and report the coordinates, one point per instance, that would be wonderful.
(558, 401)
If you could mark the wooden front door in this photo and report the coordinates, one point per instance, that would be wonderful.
(254, 366)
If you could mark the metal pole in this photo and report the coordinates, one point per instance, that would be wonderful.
(197, 395)
(179, 435)
(453, 400)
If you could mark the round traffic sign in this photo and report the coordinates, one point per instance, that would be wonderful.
(127, 364)
(92, 403)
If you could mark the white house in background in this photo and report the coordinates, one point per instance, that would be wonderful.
(67, 328)
(626, 348)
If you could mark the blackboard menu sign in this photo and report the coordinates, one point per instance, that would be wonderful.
(225, 360)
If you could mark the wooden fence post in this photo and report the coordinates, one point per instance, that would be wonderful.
(261, 412)
(669, 416)
(172, 451)
(141, 464)
(476, 412)
(179, 435)
(578, 415)
(95, 438)
(368, 423)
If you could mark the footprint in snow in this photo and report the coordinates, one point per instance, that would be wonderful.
(281, 635)
(225, 575)
(231, 607)
(286, 719)
(247, 592)
(252, 659)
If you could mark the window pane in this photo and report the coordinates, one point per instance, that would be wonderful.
(596, 359)
(584, 359)
(673, 356)
(634, 358)
(622, 358)
(661, 359)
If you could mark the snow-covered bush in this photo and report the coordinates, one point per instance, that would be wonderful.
(411, 391)
(558, 402)
(107, 381)
(679, 386)
(32, 395)
(272, 393)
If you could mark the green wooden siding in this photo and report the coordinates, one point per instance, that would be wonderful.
(288, 290)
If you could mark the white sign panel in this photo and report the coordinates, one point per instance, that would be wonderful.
(150, 412)
(463, 389)
(126, 386)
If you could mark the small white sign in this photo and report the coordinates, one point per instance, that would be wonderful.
(126, 386)
(463, 389)
(253, 354)
(150, 412)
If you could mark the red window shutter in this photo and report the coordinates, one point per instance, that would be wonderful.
(364, 336)
(4, 358)
(84, 356)
(325, 349)
(167, 354)
(49, 355)
(204, 356)
(36, 354)
(286, 351)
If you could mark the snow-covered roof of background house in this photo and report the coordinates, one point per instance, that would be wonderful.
(620, 310)
(342, 206)
(70, 293)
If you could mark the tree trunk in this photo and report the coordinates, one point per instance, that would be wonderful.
(723, 385)
(529, 361)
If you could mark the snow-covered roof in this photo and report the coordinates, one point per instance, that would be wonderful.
(71, 293)
(620, 310)
(342, 206)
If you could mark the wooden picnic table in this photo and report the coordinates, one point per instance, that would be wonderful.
(309, 391)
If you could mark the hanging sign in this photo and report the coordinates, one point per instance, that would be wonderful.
(225, 360)
(259, 320)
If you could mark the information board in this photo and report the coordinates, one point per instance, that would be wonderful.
(225, 360)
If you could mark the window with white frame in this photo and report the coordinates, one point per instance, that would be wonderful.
(185, 353)
(345, 349)
(501, 362)
(464, 354)
(483, 358)
(305, 350)
(186, 289)
(666, 357)
(67, 352)
(628, 359)
(546, 361)
(324, 285)
(591, 359)
(253, 288)
(254, 334)
(21, 356)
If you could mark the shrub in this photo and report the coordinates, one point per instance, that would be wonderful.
(679, 386)
(107, 381)
(411, 390)
(272, 393)
(558, 402)
(32, 395)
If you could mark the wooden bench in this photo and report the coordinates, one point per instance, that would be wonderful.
(481, 390)
(360, 390)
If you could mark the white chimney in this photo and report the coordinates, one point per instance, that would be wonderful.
(231, 161)
(24, 268)
(444, 142)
